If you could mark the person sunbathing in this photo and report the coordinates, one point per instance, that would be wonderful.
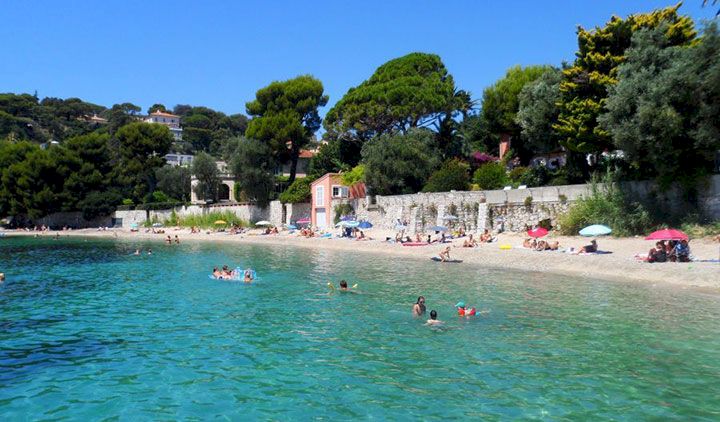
(657, 254)
(591, 248)
(486, 237)
(529, 243)
(470, 242)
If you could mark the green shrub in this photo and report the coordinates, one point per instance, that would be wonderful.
(128, 201)
(341, 210)
(298, 191)
(518, 175)
(528, 201)
(490, 176)
(452, 175)
(207, 221)
(609, 206)
(160, 196)
(356, 175)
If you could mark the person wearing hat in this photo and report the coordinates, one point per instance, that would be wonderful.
(463, 311)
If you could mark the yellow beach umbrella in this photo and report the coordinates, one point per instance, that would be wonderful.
(219, 222)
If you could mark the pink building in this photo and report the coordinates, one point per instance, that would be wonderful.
(323, 191)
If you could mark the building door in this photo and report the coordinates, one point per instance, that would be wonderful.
(320, 219)
(224, 193)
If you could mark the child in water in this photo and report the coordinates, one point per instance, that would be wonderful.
(463, 311)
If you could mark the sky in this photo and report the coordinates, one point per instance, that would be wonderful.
(219, 53)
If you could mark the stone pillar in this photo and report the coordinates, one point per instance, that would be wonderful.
(483, 220)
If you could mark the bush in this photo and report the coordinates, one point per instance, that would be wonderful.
(518, 175)
(490, 176)
(356, 175)
(453, 175)
(607, 205)
(298, 191)
(207, 221)
(128, 201)
(342, 210)
(160, 196)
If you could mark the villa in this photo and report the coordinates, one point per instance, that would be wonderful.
(172, 121)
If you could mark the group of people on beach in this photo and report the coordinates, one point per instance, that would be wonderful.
(169, 241)
(670, 251)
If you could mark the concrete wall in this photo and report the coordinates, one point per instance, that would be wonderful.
(250, 213)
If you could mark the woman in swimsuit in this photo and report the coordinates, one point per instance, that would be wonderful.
(419, 307)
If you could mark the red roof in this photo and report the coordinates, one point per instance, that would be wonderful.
(304, 153)
(163, 114)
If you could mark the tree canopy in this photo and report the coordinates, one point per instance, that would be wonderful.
(585, 84)
(285, 117)
(663, 112)
(538, 111)
(399, 163)
(412, 91)
(252, 164)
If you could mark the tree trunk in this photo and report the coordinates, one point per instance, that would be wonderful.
(294, 155)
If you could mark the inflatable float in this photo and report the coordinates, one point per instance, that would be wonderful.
(449, 261)
(238, 274)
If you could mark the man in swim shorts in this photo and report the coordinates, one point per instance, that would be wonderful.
(433, 319)
(419, 307)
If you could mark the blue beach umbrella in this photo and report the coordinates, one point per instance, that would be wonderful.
(595, 230)
(350, 224)
(365, 225)
(292, 227)
(438, 229)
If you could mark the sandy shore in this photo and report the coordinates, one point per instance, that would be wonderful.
(620, 265)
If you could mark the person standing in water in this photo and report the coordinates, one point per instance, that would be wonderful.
(433, 319)
(419, 307)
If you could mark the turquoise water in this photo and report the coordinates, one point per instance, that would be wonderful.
(88, 331)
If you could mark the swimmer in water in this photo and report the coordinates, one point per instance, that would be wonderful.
(433, 319)
(248, 276)
(137, 252)
(168, 240)
(464, 311)
(216, 273)
(419, 307)
(2, 277)
(149, 251)
(343, 286)
(177, 239)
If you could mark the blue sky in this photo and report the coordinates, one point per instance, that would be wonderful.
(218, 53)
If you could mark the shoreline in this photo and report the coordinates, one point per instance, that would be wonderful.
(619, 266)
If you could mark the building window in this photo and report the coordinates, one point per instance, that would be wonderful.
(319, 196)
(339, 191)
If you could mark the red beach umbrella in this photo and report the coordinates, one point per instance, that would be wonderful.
(537, 232)
(667, 234)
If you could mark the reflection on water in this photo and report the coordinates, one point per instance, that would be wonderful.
(87, 330)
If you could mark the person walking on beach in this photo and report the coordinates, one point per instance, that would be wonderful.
(419, 307)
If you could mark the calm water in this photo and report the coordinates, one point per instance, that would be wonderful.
(88, 332)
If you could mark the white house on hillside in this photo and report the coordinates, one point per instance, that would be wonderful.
(172, 121)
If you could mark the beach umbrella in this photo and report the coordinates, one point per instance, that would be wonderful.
(347, 218)
(667, 234)
(438, 229)
(450, 218)
(365, 225)
(157, 225)
(303, 221)
(595, 230)
(263, 223)
(350, 224)
(537, 232)
(292, 227)
(220, 222)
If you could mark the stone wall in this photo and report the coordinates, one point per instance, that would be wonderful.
(511, 210)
